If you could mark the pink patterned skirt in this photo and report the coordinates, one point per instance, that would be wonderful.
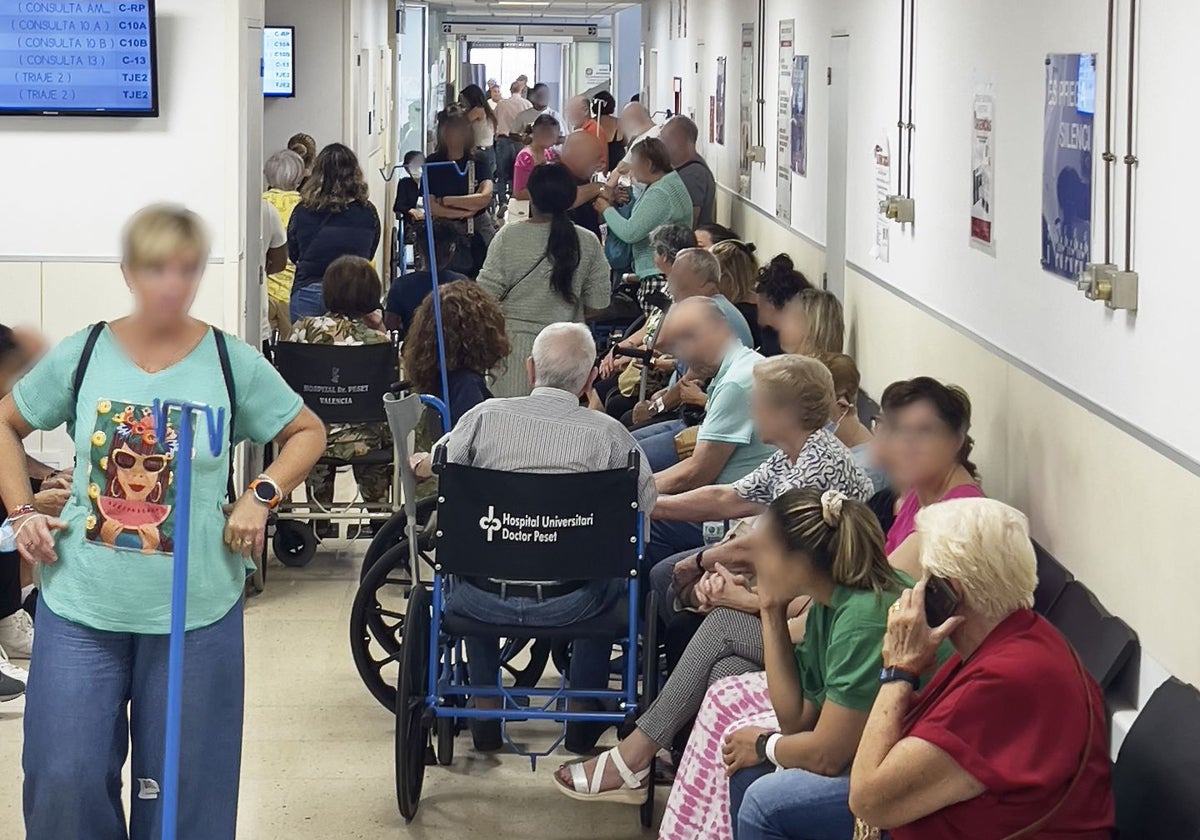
(698, 808)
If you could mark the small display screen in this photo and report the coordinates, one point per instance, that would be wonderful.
(60, 57)
(1086, 92)
(279, 55)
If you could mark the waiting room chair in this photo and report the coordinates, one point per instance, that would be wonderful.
(1053, 578)
(1156, 780)
(1107, 645)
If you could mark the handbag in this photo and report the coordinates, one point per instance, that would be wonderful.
(863, 831)
(504, 295)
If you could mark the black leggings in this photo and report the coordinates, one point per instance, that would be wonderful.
(10, 583)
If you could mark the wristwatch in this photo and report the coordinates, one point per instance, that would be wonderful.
(266, 491)
(760, 746)
(893, 674)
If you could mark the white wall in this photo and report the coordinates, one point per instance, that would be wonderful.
(1105, 501)
(322, 57)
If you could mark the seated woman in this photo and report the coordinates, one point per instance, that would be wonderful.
(739, 269)
(844, 419)
(542, 271)
(927, 429)
(778, 284)
(407, 206)
(352, 292)
(812, 323)
(709, 235)
(971, 755)
(543, 138)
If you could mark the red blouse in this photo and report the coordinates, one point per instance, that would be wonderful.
(1014, 716)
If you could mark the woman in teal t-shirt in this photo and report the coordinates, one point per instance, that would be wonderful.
(106, 563)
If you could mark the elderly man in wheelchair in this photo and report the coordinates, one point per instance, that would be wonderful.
(541, 504)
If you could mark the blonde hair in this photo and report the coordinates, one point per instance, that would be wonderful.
(160, 231)
(739, 270)
(841, 535)
(846, 378)
(800, 384)
(984, 545)
(826, 325)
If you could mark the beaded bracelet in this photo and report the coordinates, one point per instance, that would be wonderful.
(23, 510)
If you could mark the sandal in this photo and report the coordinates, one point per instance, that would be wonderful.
(632, 791)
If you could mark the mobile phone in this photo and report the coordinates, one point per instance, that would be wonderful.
(940, 601)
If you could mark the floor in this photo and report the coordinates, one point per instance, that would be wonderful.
(318, 759)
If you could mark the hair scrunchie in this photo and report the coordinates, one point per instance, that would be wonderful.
(831, 507)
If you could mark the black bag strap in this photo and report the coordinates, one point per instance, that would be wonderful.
(231, 392)
(85, 358)
(504, 295)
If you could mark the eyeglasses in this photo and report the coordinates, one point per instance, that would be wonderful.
(127, 460)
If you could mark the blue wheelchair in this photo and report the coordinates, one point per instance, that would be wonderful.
(526, 527)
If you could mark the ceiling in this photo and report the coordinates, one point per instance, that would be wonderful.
(517, 10)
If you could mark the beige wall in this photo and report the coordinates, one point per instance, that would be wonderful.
(1111, 508)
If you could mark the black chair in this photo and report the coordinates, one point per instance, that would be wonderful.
(342, 385)
(527, 527)
(1107, 645)
(1156, 780)
(1053, 578)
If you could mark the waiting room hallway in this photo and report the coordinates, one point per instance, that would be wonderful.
(318, 758)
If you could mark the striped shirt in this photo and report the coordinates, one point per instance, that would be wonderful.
(546, 432)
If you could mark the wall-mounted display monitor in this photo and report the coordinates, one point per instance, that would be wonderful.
(78, 58)
(279, 61)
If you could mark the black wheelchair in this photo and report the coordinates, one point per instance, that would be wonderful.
(535, 527)
(342, 385)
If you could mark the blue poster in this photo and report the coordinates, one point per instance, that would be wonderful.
(1067, 163)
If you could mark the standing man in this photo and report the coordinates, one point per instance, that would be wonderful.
(679, 134)
(583, 156)
(508, 141)
(539, 96)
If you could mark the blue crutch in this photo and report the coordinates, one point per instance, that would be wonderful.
(215, 419)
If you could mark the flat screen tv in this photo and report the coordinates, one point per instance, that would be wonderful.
(279, 61)
(68, 58)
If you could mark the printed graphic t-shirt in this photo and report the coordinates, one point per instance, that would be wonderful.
(114, 560)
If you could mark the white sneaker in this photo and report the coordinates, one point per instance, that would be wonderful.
(13, 672)
(16, 635)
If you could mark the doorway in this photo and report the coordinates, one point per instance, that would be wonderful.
(837, 78)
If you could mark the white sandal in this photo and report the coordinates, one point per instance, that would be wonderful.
(631, 792)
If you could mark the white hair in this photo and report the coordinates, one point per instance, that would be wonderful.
(563, 356)
(701, 263)
(984, 545)
(284, 170)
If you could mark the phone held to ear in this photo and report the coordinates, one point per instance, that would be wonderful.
(940, 601)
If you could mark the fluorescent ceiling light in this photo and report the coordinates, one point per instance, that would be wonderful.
(521, 3)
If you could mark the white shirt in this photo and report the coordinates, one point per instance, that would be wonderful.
(273, 236)
(527, 117)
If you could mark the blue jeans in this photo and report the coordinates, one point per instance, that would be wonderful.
(589, 657)
(658, 443)
(789, 805)
(93, 693)
(307, 302)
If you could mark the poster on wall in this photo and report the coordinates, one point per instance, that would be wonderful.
(983, 165)
(1067, 163)
(712, 118)
(799, 116)
(719, 117)
(882, 159)
(745, 120)
(783, 130)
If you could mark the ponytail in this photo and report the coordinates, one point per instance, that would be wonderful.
(841, 535)
(552, 192)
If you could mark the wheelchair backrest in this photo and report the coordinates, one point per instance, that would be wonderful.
(537, 526)
(341, 384)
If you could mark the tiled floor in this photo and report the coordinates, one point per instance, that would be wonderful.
(318, 759)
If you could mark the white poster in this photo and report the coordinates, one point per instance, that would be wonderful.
(783, 123)
(745, 119)
(882, 159)
(983, 165)
(800, 115)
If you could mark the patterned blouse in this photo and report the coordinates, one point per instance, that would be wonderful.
(823, 464)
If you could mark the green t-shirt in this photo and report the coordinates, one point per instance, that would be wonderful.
(114, 560)
(727, 415)
(842, 652)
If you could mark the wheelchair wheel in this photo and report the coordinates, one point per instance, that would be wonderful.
(650, 677)
(391, 533)
(412, 734)
(377, 623)
(294, 543)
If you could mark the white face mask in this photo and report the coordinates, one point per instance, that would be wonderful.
(415, 171)
(833, 425)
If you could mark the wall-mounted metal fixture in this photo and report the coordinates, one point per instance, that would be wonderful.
(901, 207)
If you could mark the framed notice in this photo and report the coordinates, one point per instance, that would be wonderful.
(1067, 163)
(719, 119)
(983, 174)
(745, 117)
(783, 123)
(799, 115)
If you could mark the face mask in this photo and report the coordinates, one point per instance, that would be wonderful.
(832, 425)
(8, 540)
(414, 171)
